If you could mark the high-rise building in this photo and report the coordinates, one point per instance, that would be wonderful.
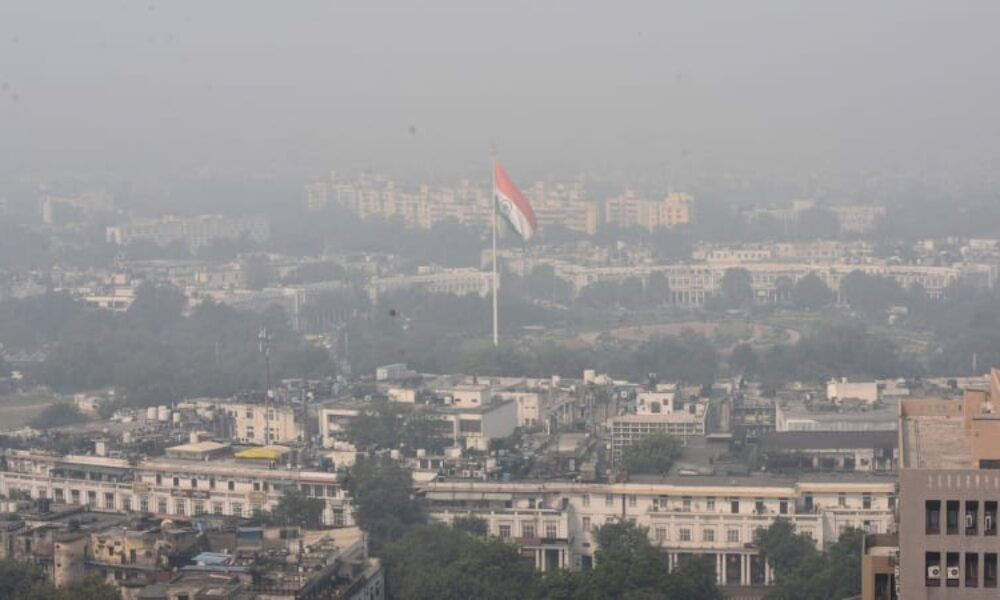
(949, 489)
(631, 210)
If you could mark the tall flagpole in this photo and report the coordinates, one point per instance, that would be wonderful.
(496, 305)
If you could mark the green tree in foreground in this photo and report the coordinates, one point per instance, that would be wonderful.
(27, 582)
(58, 415)
(653, 454)
(804, 573)
(382, 491)
(295, 508)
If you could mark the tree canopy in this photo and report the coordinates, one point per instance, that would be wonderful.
(652, 454)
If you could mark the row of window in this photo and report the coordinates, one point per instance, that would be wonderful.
(957, 520)
(734, 503)
(528, 530)
(956, 572)
(317, 490)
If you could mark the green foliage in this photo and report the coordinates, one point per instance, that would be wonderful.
(19, 580)
(871, 295)
(471, 525)
(735, 289)
(154, 353)
(804, 573)
(58, 415)
(743, 360)
(652, 454)
(385, 505)
(295, 508)
(810, 293)
(439, 562)
(387, 425)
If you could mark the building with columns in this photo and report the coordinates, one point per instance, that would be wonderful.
(553, 521)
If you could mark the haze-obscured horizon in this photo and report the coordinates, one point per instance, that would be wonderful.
(427, 89)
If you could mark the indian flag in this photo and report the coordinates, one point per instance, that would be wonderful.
(512, 204)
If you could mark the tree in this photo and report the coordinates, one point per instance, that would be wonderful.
(652, 454)
(626, 561)
(804, 573)
(471, 525)
(657, 289)
(295, 508)
(870, 295)
(743, 360)
(811, 293)
(735, 289)
(385, 506)
(439, 562)
(58, 415)
(816, 224)
(694, 579)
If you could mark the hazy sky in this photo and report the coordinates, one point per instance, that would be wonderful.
(297, 87)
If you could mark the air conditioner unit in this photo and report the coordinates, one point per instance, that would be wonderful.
(934, 572)
(953, 572)
(970, 520)
(989, 523)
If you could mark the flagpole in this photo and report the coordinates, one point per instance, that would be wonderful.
(496, 305)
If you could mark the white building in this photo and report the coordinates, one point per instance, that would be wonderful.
(554, 521)
(839, 390)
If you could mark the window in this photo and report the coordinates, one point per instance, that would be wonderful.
(866, 501)
(237, 509)
(733, 536)
(932, 568)
(708, 535)
(609, 500)
(990, 517)
(159, 479)
(528, 530)
(710, 504)
(551, 530)
(177, 481)
(632, 500)
(686, 503)
(892, 502)
(180, 507)
(144, 504)
(971, 569)
(661, 534)
(758, 506)
(990, 570)
(951, 517)
(783, 506)
(734, 506)
(586, 524)
(685, 534)
(971, 517)
(807, 502)
(194, 483)
(199, 508)
(256, 486)
(92, 498)
(231, 485)
(338, 517)
(932, 517)
(841, 500)
(109, 500)
(586, 499)
(952, 569)
(161, 506)
(504, 531)
(75, 496)
(211, 483)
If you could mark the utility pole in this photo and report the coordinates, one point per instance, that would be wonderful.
(264, 347)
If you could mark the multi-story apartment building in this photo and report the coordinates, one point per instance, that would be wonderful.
(949, 485)
(167, 486)
(554, 521)
(257, 424)
(631, 210)
(626, 429)
(193, 232)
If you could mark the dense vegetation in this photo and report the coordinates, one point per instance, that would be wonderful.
(26, 582)
(154, 353)
(436, 561)
(804, 573)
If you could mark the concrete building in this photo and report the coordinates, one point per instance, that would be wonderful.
(949, 486)
(257, 424)
(840, 390)
(626, 429)
(797, 416)
(178, 488)
(851, 451)
(554, 521)
(193, 232)
(631, 210)
(459, 282)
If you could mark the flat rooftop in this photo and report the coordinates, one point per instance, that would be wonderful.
(934, 442)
